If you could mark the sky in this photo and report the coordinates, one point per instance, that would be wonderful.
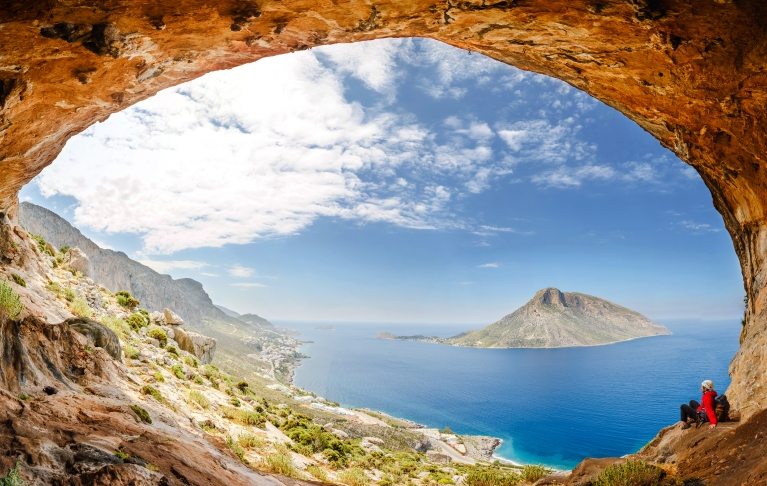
(398, 180)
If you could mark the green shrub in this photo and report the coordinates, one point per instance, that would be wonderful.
(76, 273)
(145, 313)
(304, 432)
(317, 472)
(354, 477)
(130, 351)
(64, 249)
(629, 473)
(24, 396)
(199, 398)
(191, 361)
(12, 478)
(150, 390)
(125, 299)
(10, 302)
(172, 350)
(492, 477)
(198, 379)
(158, 377)
(18, 279)
(136, 321)
(121, 455)
(143, 415)
(242, 385)
(41, 244)
(531, 473)
(55, 288)
(238, 451)
(80, 308)
(447, 430)
(158, 334)
(235, 401)
(178, 370)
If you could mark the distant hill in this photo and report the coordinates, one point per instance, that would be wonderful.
(115, 271)
(554, 319)
(226, 311)
(255, 319)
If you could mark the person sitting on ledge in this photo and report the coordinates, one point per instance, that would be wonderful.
(700, 412)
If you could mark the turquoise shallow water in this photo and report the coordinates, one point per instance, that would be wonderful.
(551, 406)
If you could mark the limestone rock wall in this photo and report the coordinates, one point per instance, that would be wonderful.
(690, 72)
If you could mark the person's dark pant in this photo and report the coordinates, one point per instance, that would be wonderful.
(689, 411)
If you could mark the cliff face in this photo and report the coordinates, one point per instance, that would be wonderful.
(554, 319)
(690, 72)
(115, 271)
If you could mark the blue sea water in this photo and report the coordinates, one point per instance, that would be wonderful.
(550, 406)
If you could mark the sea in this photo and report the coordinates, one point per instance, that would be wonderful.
(549, 406)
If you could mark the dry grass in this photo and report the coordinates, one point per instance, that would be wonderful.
(199, 398)
(354, 477)
(80, 308)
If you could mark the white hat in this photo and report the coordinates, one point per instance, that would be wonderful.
(708, 385)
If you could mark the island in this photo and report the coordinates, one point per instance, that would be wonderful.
(554, 319)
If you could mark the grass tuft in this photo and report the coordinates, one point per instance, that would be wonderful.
(317, 472)
(143, 415)
(178, 370)
(158, 334)
(158, 377)
(10, 302)
(492, 477)
(12, 478)
(354, 477)
(119, 326)
(237, 449)
(154, 392)
(199, 398)
(80, 308)
(18, 279)
(532, 473)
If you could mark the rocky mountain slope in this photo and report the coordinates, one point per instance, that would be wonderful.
(554, 319)
(115, 271)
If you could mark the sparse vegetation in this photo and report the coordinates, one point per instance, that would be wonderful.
(154, 392)
(235, 401)
(178, 370)
(125, 299)
(119, 326)
(532, 473)
(69, 294)
(281, 463)
(12, 478)
(121, 455)
(244, 417)
(41, 244)
(199, 398)
(354, 477)
(10, 302)
(317, 472)
(18, 279)
(64, 249)
(242, 385)
(492, 477)
(191, 361)
(250, 441)
(629, 473)
(24, 396)
(130, 351)
(80, 308)
(158, 377)
(198, 379)
(158, 334)
(55, 288)
(447, 430)
(237, 449)
(142, 414)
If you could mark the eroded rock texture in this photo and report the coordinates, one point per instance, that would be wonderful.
(691, 72)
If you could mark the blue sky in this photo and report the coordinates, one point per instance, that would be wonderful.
(396, 180)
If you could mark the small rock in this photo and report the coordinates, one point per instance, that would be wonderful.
(172, 318)
(49, 390)
(437, 457)
(343, 435)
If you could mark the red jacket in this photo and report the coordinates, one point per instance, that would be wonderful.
(708, 406)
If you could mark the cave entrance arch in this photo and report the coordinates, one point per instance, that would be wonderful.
(690, 72)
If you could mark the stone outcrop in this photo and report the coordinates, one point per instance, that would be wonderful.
(690, 72)
(203, 347)
(99, 334)
(172, 318)
(79, 261)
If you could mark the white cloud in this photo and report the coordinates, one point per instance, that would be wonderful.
(209, 274)
(240, 271)
(247, 284)
(372, 62)
(698, 227)
(573, 176)
(468, 283)
(488, 265)
(165, 266)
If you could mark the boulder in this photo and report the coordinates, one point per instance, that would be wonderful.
(438, 457)
(157, 318)
(50, 248)
(172, 318)
(78, 260)
(339, 433)
(202, 347)
(101, 335)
